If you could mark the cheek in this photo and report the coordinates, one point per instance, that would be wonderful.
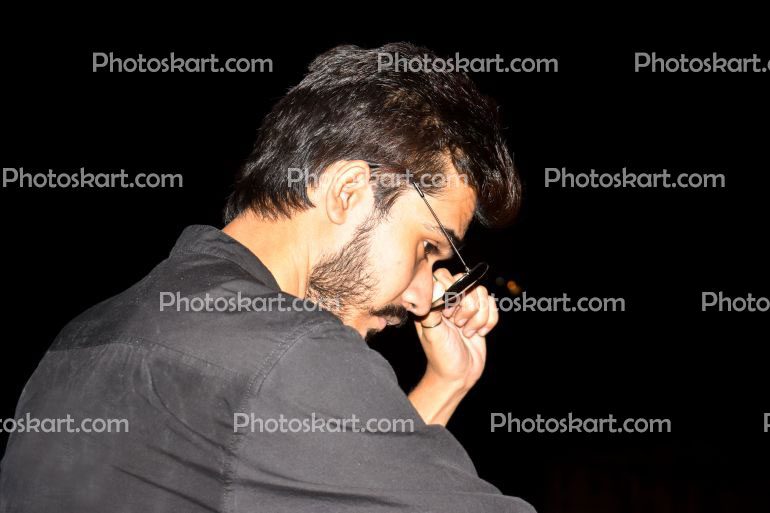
(394, 269)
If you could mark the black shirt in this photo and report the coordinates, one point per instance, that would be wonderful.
(226, 406)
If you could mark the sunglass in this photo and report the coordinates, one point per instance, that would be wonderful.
(456, 291)
(470, 277)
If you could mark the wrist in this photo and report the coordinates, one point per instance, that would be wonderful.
(435, 398)
(456, 384)
(450, 385)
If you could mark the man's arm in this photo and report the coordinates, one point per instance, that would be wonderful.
(435, 399)
(327, 377)
(455, 346)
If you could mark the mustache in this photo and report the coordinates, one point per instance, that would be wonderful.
(392, 311)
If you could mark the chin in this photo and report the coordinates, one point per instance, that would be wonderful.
(368, 326)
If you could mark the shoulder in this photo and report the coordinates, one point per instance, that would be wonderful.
(330, 367)
(201, 307)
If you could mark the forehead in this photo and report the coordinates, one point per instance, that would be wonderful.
(454, 206)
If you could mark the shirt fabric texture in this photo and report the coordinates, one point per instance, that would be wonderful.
(180, 377)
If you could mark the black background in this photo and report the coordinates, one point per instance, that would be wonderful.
(65, 250)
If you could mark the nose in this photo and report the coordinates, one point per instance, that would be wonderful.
(418, 296)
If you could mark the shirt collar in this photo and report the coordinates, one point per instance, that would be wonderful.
(209, 240)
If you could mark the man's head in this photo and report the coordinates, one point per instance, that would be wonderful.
(313, 164)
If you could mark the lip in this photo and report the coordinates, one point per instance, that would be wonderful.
(382, 322)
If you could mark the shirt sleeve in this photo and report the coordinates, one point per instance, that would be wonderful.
(299, 447)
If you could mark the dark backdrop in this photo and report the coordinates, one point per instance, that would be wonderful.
(65, 250)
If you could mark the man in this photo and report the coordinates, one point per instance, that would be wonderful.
(234, 391)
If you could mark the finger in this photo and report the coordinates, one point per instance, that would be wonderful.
(433, 317)
(494, 316)
(432, 328)
(468, 306)
(480, 318)
(443, 276)
(447, 279)
(430, 331)
(442, 279)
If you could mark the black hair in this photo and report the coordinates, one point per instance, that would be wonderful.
(350, 106)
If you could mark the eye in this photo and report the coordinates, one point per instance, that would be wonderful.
(430, 249)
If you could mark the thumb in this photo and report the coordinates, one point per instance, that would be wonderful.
(433, 327)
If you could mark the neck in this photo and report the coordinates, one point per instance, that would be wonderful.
(280, 245)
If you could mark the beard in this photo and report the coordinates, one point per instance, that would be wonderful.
(344, 282)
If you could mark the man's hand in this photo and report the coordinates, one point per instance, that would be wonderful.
(455, 348)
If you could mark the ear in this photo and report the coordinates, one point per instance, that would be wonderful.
(347, 186)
